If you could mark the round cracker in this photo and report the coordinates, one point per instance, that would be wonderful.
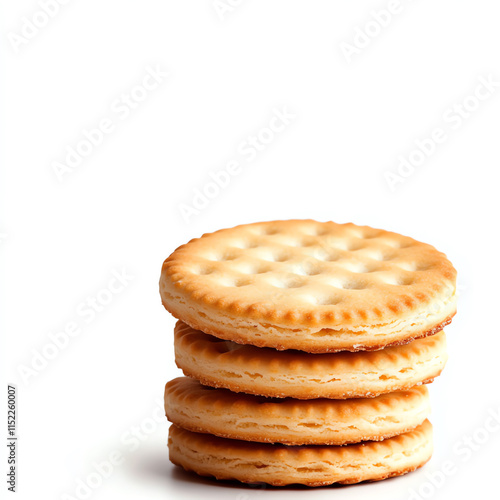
(300, 375)
(280, 465)
(223, 413)
(312, 286)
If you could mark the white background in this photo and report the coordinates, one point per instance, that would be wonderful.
(120, 207)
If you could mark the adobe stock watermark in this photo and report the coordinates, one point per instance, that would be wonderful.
(367, 32)
(246, 152)
(102, 470)
(223, 7)
(32, 25)
(464, 449)
(121, 109)
(85, 313)
(453, 119)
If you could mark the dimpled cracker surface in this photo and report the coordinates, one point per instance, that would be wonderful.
(317, 465)
(301, 375)
(312, 286)
(198, 408)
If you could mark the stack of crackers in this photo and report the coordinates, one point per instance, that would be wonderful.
(306, 347)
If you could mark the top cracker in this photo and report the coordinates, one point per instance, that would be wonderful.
(307, 285)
